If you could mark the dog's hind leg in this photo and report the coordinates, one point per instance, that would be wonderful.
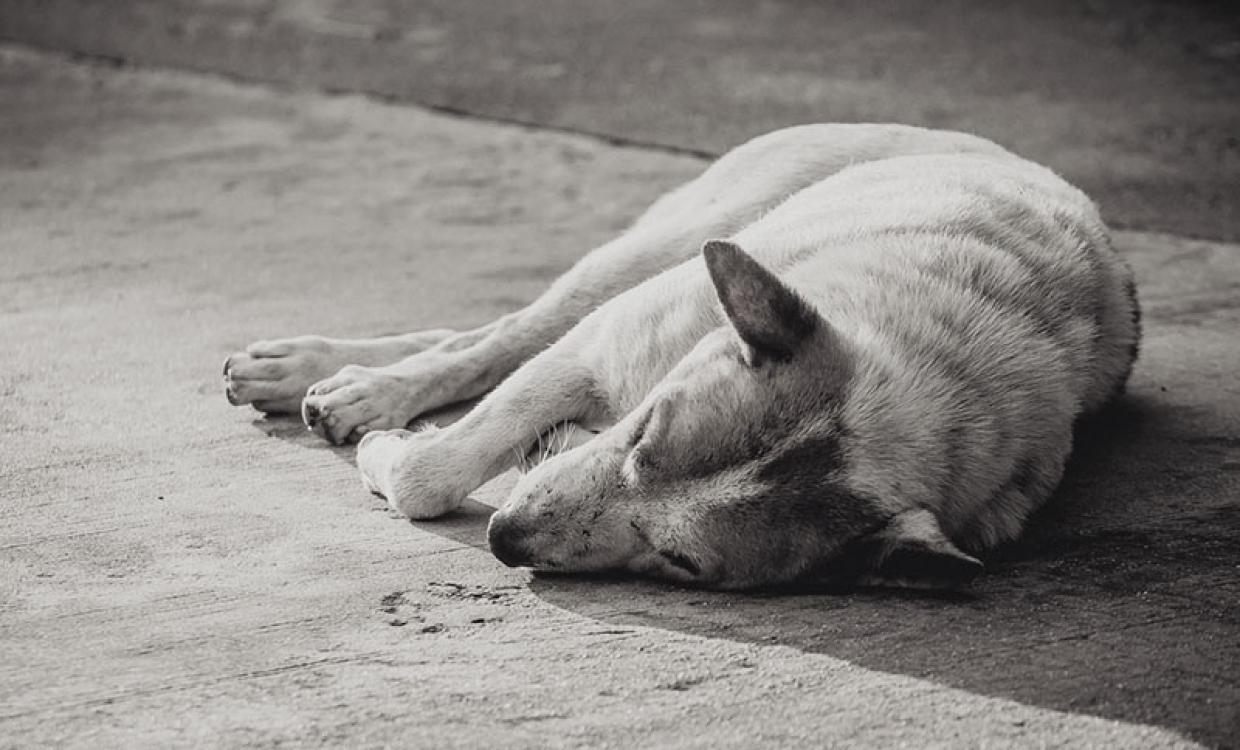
(729, 195)
(273, 375)
(358, 399)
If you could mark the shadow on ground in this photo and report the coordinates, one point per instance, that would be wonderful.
(1095, 611)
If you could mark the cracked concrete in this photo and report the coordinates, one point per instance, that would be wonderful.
(174, 571)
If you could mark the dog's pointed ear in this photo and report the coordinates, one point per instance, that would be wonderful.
(912, 551)
(771, 318)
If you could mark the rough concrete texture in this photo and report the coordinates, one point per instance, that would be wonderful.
(174, 571)
(1137, 101)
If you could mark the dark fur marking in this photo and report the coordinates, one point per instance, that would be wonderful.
(641, 533)
(808, 460)
(916, 563)
(1024, 476)
(787, 529)
(801, 514)
(769, 315)
(795, 314)
(682, 562)
(1134, 349)
(871, 556)
(1130, 292)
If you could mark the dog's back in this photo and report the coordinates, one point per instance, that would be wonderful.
(982, 236)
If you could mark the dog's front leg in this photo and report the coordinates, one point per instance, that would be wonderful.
(427, 473)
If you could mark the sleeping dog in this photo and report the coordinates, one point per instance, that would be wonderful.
(843, 352)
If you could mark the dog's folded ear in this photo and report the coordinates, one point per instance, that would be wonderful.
(912, 551)
(771, 318)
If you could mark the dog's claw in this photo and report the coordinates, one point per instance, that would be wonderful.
(310, 414)
(320, 423)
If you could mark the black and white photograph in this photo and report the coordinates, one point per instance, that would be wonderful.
(619, 374)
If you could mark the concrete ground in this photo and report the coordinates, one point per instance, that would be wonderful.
(174, 571)
(1137, 101)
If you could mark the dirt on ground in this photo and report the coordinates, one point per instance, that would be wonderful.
(175, 571)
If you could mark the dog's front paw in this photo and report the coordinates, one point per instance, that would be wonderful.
(355, 401)
(409, 470)
(376, 455)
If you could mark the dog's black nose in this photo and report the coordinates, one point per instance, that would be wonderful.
(508, 541)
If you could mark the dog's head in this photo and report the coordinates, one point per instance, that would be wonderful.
(734, 471)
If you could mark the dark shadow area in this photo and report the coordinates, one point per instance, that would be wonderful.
(1122, 600)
